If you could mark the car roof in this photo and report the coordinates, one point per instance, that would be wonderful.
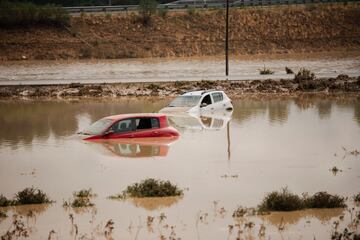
(199, 93)
(134, 115)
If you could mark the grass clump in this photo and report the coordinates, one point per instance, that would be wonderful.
(151, 188)
(265, 71)
(13, 13)
(324, 200)
(304, 74)
(282, 200)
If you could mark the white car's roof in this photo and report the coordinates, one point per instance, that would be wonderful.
(199, 93)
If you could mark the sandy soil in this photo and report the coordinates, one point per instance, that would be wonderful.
(280, 30)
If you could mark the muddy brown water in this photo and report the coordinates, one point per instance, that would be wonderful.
(180, 69)
(272, 143)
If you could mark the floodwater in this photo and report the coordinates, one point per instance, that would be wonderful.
(183, 69)
(222, 164)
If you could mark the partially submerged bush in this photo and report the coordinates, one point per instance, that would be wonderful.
(152, 188)
(265, 71)
(81, 202)
(324, 200)
(282, 200)
(84, 193)
(27, 196)
(26, 13)
(31, 196)
(4, 202)
(81, 199)
(304, 74)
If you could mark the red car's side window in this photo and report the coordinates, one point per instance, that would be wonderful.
(146, 123)
(123, 126)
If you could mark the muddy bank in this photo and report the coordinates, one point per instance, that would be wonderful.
(280, 30)
(235, 89)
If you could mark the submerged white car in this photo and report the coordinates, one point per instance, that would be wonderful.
(199, 102)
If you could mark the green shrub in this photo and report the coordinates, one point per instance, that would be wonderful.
(27, 13)
(282, 200)
(191, 11)
(324, 200)
(31, 196)
(147, 8)
(163, 12)
(304, 74)
(152, 188)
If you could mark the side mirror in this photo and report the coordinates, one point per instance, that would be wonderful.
(203, 105)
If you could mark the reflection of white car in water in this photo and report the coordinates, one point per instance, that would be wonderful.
(199, 102)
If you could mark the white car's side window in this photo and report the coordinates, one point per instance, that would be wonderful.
(218, 96)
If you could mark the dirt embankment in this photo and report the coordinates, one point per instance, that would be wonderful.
(282, 29)
(235, 89)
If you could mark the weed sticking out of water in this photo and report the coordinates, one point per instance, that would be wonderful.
(304, 74)
(150, 188)
(335, 170)
(3, 214)
(84, 193)
(109, 227)
(289, 71)
(17, 229)
(357, 198)
(243, 212)
(354, 152)
(282, 200)
(265, 71)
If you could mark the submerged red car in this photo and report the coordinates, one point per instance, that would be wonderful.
(130, 126)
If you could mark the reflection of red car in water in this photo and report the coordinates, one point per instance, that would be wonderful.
(137, 147)
(131, 126)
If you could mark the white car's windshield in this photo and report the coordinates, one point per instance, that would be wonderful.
(185, 101)
(98, 127)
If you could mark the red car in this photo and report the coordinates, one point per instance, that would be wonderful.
(131, 126)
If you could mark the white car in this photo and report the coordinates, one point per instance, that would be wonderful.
(199, 103)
